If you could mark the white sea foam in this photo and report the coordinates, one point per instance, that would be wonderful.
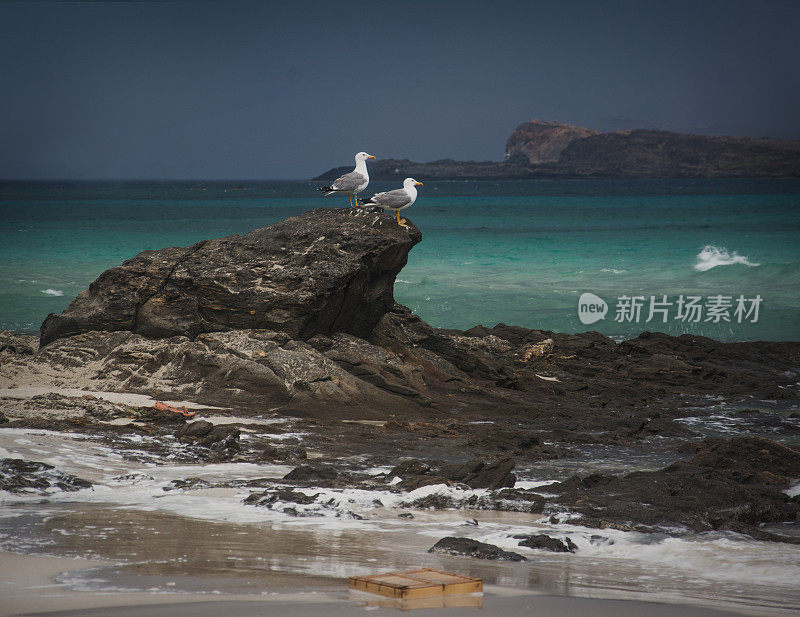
(52, 292)
(715, 557)
(713, 256)
(613, 271)
(529, 484)
(694, 560)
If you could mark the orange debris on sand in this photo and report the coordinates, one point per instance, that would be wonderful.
(159, 406)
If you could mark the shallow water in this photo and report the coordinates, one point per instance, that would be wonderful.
(207, 540)
(516, 252)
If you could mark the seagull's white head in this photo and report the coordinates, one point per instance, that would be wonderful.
(363, 156)
(409, 182)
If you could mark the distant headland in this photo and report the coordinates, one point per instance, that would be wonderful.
(540, 149)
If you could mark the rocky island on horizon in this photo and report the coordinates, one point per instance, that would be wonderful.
(553, 150)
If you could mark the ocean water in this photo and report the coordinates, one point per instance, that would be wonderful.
(515, 252)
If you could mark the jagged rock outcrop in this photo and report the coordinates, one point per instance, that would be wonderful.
(325, 271)
(538, 141)
(300, 316)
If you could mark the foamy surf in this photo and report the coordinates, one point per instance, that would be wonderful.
(142, 496)
(713, 256)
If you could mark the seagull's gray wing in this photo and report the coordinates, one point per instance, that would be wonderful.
(391, 200)
(348, 182)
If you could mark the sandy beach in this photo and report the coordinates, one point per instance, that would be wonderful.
(28, 588)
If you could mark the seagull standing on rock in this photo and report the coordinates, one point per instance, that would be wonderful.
(354, 182)
(396, 200)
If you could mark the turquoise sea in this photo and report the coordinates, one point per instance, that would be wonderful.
(515, 252)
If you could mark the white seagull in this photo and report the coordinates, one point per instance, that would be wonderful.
(353, 183)
(396, 200)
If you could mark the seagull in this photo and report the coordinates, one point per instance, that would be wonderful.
(396, 200)
(354, 182)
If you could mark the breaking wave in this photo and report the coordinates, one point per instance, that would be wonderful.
(713, 256)
(52, 292)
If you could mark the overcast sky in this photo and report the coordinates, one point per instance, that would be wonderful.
(204, 90)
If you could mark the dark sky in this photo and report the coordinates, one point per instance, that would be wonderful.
(286, 90)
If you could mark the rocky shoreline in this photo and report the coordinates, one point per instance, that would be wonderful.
(292, 336)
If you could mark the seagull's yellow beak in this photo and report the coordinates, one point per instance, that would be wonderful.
(370, 157)
(420, 183)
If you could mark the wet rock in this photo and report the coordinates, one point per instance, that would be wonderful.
(196, 430)
(512, 500)
(187, 483)
(407, 515)
(21, 476)
(734, 484)
(472, 548)
(3, 418)
(474, 473)
(477, 474)
(312, 473)
(163, 417)
(281, 454)
(530, 446)
(222, 437)
(411, 467)
(547, 543)
(435, 501)
(287, 495)
(327, 270)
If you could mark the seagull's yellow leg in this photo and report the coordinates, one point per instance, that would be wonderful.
(401, 223)
(350, 199)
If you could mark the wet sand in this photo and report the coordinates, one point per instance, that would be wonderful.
(541, 606)
(28, 588)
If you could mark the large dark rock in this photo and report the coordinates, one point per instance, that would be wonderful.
(196, 430)
(733, 485)
(312, 474)
(327, 270)
(477, 474)
(472, 548)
